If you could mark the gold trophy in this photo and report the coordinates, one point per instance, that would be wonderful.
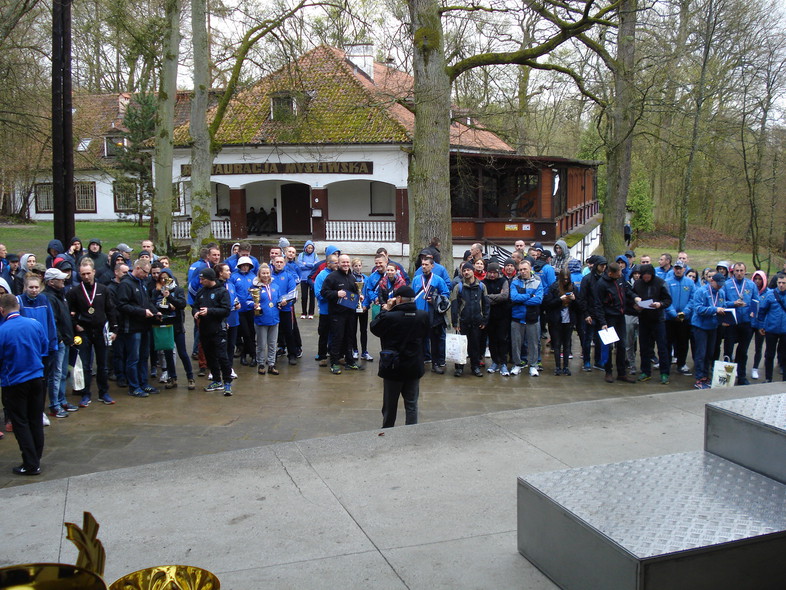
(359, 285)
(167, 283)
(255, 296)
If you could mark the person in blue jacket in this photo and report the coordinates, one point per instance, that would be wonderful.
(23, 347)
(772, 314)
(708, 304)
(267, 318)
(242, 279)
(741, 293)
(759, 279)
(678, 315)
(323, 328)
(437, 269)
(306, 261)
(526, 297)
(429, 287)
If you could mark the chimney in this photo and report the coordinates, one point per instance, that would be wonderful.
(362, 57)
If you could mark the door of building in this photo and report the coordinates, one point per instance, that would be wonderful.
(295, 209)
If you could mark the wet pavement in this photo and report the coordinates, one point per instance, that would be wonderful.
(305, 401)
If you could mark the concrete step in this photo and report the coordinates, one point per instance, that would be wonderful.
(690, 521)
(750, 432)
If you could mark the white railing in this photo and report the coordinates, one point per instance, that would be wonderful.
(220, 228)
(360, 231)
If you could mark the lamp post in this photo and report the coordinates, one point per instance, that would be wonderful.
(63, 204)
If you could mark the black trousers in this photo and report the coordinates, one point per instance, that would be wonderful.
(323, 330)
(409, 390)
(215, 348)
(247, 334)
(741, 335)
(498, 331)
(93, 340)
(776, 344)
(651, 333)
(561, 336)
(286, 332)
(362, 327)
(307, 299)
(24, 406)
(474, 339)
(678, 337)
(342, 326)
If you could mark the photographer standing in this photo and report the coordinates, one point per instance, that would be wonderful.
(401, 328)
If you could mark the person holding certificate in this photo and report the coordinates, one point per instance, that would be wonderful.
(612, 295)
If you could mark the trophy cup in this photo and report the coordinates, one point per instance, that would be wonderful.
(359, 285)
(255, 296)
(167, 283)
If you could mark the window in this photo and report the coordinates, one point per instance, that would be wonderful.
(125, 194)
(83, 144)
(282, 106)
(114, 145)
(44, 202)
(84, 197)
(382, 199)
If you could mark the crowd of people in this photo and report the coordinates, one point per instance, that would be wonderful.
(120, 316)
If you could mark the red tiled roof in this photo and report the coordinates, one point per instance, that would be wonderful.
(338, 104)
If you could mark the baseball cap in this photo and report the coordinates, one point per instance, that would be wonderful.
(53, 273)
(207, 273)
(123, 247)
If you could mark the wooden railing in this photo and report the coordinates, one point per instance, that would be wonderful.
(360, 231)
(220, 228)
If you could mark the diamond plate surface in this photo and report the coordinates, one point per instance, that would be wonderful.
(768, 409)
(670, 503)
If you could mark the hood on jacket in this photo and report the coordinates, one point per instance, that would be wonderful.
(574, 265)
(562, 244)
(763, 275)
(4, 285)
(310, 243)
(55, 245)
(624, 259)
(331, 249)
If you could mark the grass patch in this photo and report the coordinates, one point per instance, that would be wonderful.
(34, 237)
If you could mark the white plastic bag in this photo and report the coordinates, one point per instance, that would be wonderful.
(456, 349)
(78, 375)
(724, 374)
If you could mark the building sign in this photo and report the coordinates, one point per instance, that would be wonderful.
(511, 227)
(287, 168)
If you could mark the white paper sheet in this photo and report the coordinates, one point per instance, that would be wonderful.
(608, 336)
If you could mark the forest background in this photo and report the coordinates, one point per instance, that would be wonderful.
(682, 100)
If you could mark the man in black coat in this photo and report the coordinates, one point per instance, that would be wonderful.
(341, 293)
(401, 328)
(612, 295)
(653, 290)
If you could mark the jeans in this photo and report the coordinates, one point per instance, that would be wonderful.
(705, 344)
(137, 348)
(58, 376)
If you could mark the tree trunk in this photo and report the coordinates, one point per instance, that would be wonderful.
(429, 167)
(161, 233)
(201, 156)
(623, 121)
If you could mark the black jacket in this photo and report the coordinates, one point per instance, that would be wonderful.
(216, 300)
(611, 298)
(65, 330)
(103, 308)
(132, 301)
(552, 304)
(657, 290)
(335, 282)
(586, 296)
(403, 329)
(498, 291)
(469, 304)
